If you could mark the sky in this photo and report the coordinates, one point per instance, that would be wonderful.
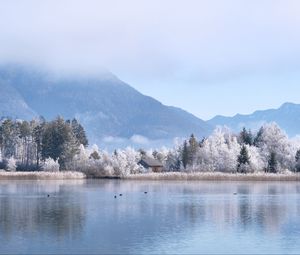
(213, 57)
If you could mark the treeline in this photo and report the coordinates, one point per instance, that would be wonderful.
(268, 150)
(59, 145)
(39, 144)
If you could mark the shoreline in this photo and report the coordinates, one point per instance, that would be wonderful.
(167, 176)
(216, 176)
(67, 175)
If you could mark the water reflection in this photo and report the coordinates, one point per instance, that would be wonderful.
(174, 217)
(25, 208)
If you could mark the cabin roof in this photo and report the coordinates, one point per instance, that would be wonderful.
(151, 162)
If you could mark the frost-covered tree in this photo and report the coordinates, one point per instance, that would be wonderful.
(258, 138)
(272, 163)
(219, 152)
(8, 138)
(272, 140)
(125, 162)
(257, 162)
(59, 142)
(161, 155)
(192, 150)
(32, 142)
(79, 132)
(173, 160)
(243, 160)
(50, 165)
(11, 164)
(297, 159)
(185, 155)
(246, 137)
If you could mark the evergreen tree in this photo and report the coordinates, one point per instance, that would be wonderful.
(192, 149)
(155, 154)
(79, 133)
(8, 133)
(38, 139)
(185, 155)
(259, 137)
(193, 143)
(25, 132)
(95, 155)
(246, 137)
(201, 143)
(142, 152)
(297, 158)
(59, 142)
(243, 160)
(272, 163)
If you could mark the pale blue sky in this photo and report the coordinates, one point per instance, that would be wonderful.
(208, 57)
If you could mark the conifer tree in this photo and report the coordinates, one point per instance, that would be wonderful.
(95, 155)
(59, 142)
(243, 160)
(192, 149)
(8, 138)
(79, 132)
(272, 163)
(38, 139)
(297, 158)
(258, 138)
(185, 155)
(246, 137)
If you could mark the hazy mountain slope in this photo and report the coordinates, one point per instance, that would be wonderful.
(287, 117)
(106, 106)
(12, 103)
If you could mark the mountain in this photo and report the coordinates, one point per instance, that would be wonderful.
(109, 109)
(287, 117)
(12, 103)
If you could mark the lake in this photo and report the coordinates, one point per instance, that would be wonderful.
(83, 216)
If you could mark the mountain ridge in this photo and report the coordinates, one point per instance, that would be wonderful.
(287, 116)
(107, 106)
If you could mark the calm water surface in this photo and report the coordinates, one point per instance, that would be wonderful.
(173, 217)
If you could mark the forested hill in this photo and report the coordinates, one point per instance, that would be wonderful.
(109, 109)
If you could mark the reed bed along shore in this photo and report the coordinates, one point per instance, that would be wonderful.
(208, 176)
(67, 175)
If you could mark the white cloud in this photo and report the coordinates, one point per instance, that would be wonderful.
(214, 48)
(139, 139)
(113, 140)
(154, 39)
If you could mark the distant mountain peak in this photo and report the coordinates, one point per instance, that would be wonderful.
(286, 116)
(104, 104)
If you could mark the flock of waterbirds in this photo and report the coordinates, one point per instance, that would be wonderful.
(145, 192)
(120, 195)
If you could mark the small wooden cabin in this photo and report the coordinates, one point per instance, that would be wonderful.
(151, 164)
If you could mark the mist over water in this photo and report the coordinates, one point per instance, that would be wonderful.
(173, 217)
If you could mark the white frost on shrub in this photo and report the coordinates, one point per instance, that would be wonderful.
(11, 164)
(50, 165)
(218, 153)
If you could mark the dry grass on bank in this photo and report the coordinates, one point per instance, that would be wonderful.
(68, 175)
(208, 176)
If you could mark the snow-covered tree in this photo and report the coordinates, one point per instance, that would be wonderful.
(272, 140)
(11, 164)
(243, 160)
(297, 159)
(126, 162)
(218, 152)
(50, 165)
